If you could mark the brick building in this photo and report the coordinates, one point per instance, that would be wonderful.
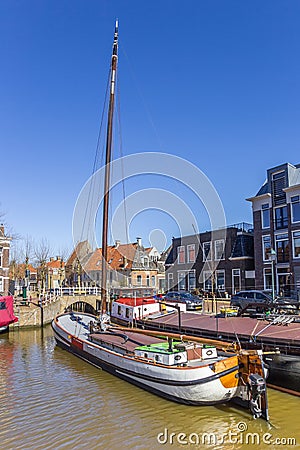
(276, 218)
(215, 261)
(4, 261)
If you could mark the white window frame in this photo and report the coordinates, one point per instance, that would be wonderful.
(191, 247)
(1, 257)
(293, 239)
(263, 246)
(292, 212)
(188, 277)
(282, 237)
(180, 277)
(209, 256)
(270, 273)
(153, 281)
(1, 284)
(208, 275)
(170, 281)
(223, 253)
(219, 272)
(235, 276)
(180, 248)
(264, 208)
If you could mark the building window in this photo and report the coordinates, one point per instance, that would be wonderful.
(265, 216)
(170, 281)
(139, 279)
(206, 251)
(295, 204)
(191, 253)
(181, 254)
(207, 281)
(267, 279)
(219, 249)
(266, 247)
(296, 244)
(192, 279)
(281, 218)
(1, 284)
(282, 248)
(145, 261)
(220, 280)
(153, 280)
(1, 256)
(148, 280)
(181, 281)
(236, 280)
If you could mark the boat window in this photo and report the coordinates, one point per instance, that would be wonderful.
(127, 312)
(2, 305)
(145, 355)
(119, 310)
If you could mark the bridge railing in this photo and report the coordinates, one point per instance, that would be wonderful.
(72, 291)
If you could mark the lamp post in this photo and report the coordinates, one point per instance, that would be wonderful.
(272, 258)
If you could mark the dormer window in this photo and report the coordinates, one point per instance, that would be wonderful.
(278, 184)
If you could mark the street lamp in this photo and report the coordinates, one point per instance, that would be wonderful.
(272, 258)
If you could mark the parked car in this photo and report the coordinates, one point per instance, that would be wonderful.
(244, 298)
(192, 301)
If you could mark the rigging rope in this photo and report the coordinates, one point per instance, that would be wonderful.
(91, 193)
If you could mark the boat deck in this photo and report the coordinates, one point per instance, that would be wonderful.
(127, 341)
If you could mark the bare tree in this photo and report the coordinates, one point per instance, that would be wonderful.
(42, 252)
(28, 250)
(9, 231)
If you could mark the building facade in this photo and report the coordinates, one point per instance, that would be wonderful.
(216, 262)
(129, 266)
(276, 218)
(4, 261)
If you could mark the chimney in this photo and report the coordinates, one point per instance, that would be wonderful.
(51, 259)
(58, 258)
(117, 243)
(2, 229)
(139, 241)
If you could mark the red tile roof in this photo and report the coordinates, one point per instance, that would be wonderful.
(55, 264)
(117, 256)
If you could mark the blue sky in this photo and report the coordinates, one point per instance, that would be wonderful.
(213, 82)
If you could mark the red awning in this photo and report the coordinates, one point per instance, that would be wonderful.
(7, 311)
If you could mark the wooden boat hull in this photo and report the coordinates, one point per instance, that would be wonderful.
(209, 384)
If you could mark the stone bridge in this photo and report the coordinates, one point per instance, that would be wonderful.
(30, 314)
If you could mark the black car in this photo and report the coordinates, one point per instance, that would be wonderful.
(244, 298)
(192, 301)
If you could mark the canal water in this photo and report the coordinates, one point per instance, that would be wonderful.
(49, 399)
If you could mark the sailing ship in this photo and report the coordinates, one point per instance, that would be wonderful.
(184, 369)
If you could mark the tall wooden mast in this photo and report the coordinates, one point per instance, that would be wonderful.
(114, 60)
